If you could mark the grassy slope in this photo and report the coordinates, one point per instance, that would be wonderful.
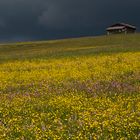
(70, 47)
(71, 89)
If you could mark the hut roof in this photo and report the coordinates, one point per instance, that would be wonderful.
(128, 25)
(120, 26)
(116, 28)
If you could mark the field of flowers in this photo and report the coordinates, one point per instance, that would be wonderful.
(87, 89)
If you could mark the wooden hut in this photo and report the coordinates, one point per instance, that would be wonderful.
(120, 28)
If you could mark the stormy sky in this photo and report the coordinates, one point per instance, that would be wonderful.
(52, 19)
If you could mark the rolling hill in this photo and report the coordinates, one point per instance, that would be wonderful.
(83, 88)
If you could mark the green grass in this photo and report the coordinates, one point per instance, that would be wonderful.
(70, 47)
(83, 88)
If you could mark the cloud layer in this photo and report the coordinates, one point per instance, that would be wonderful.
(50, 19)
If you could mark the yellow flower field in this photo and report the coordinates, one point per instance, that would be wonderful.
(86, 92)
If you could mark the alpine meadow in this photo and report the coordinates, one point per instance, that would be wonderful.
(72, 89)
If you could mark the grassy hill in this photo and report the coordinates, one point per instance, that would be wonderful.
(84, 88)
(70, 47)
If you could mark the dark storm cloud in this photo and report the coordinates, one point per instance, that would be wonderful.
(40, 19)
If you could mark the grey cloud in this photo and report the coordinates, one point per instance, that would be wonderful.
(2, 23)
(68, 14)
(44, 19)
(64, 14)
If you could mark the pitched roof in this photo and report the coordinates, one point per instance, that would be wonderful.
(115, 28)
(128, 25)
(120, 26)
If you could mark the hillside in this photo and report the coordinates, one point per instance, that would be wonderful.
(84, 88)
(70, 47)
